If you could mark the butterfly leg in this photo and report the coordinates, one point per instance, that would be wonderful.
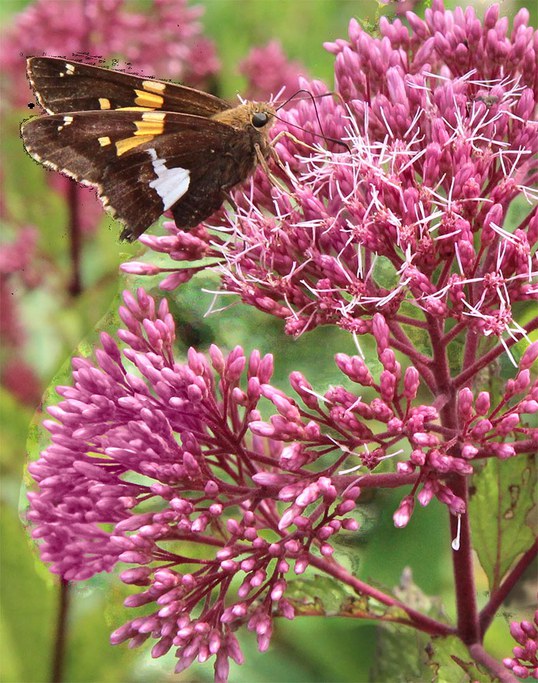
(272, 178)
(287, 134)
(230, 200)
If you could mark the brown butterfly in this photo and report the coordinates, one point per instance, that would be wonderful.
(148, 146)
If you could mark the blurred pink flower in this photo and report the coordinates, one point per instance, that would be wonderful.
(268, 71)
(17, 272)
(165, 41)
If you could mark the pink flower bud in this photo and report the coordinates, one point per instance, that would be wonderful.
(139, 268)
(411, 383)
(304, 389)
(502, 450)
(482, 403)
(403, 514)
(507, 424)
(468, 451)
(529, 357)
(465, 403)
(234, 370)
(380, 331)
(387, 385)
(481, 428)
(528, 407)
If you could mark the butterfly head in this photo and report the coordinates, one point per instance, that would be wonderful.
(250, 116)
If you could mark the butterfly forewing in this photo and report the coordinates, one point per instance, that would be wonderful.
(63, 86)
(148, 146)
(141, 165)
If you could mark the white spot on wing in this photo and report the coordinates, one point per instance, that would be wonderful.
(67, 121)
(170, 183)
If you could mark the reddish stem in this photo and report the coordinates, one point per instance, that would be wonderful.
(490, 356)
(462, 561)
(418, 620)
(389, 480)
(466, 607)
(497, 669)
(401, 343)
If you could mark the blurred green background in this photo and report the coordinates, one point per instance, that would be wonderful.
(52, 323)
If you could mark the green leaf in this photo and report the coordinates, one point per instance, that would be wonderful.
(410, 594)
(27, 606)
(451, 662)
(96, 611)
(14, 421)
(500, 508)
(400, 655)
(317, 595)
(402, 651)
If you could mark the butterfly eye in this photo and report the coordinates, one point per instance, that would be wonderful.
(259, 119)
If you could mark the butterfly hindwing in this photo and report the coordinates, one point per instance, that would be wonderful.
(64, 86)
(142, 163)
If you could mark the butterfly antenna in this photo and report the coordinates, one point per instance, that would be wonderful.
(337, 141)
(313, 98)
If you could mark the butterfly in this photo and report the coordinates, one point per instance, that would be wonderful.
(147, 146)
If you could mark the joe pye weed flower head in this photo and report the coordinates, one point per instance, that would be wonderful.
(415, 224)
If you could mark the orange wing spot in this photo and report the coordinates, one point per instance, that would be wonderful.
(154, 116)
(133, 109)
(104, 141)
(148, 128)
(154, 86)
(152, 123)
(148, 99)
(125, 145)
(104, 103)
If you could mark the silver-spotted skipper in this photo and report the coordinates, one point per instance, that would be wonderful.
(148, 146)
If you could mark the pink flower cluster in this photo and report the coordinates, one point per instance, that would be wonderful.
(151, 460)
(268, 71)
(415, 218)
(18, 275)
(395, 421)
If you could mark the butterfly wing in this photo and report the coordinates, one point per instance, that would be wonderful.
(63, 86)
(142, 163)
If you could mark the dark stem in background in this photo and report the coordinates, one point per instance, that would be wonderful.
(75, 289)
(57, 668)
(75, 238)
(73, 192)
